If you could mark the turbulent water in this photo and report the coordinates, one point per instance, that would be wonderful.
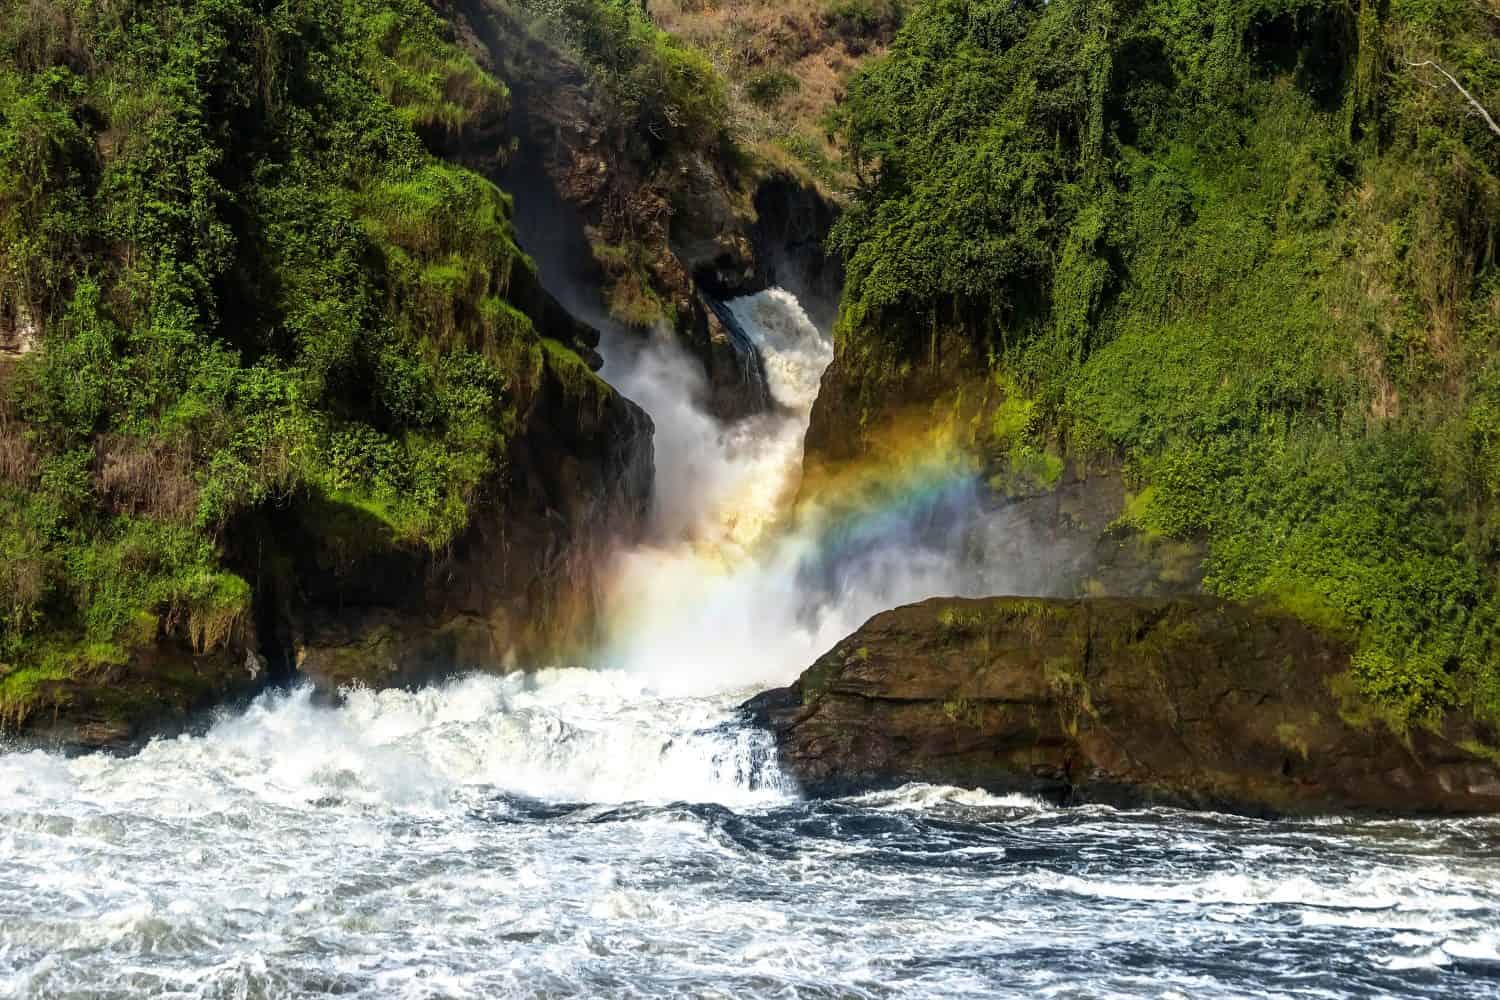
(617, 831)
(575, 835)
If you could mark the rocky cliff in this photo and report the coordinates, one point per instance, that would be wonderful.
(1236, 257)
(519, 587)
(338, 601)
(879, 404)
(384, 454)
(637, 218)
(1189, 702)
(305, 419)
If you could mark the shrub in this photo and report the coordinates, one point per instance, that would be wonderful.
(663, 89)
(860, 24)
(769, 88)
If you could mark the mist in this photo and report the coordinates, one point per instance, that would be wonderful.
(729, 592)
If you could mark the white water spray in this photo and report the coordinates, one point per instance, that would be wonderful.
(707, 605)
(727, 597)
(720, 488)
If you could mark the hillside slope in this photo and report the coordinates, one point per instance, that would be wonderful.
(1241, 254)
(276, 377)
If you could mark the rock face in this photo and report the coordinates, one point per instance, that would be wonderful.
(878, 405)
(337, 602)
(1188, 702)
(666, 231)
(160, 688)
(516, 588)
(789, 236)
(874, 397)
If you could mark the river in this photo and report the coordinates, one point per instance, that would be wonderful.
(615, 830)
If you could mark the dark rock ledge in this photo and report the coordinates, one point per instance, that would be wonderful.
(1190, 702)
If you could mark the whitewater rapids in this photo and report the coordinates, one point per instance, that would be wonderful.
(573, 835)
(619, 831)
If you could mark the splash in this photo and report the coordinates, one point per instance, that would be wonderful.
(733, 592)
(721, 489)
(582, 832)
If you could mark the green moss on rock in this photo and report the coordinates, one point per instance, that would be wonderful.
(1197, 702)
(1207, 243)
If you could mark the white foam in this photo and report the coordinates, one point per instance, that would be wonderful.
(919, 796)
(718, 599)
(523, 835)
(721, 489)
(1482, 949)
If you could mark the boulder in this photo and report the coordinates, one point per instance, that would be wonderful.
(1189, 702)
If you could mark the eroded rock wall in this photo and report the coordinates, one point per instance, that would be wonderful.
(1188, 702)
(514, 591)
(632, 234)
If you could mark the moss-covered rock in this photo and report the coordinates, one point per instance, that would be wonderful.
(519, 586)
(1190, 702)
(1243, 251)
(122, 697)
(270, 355)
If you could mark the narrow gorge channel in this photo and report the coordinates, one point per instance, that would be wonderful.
(617, 829)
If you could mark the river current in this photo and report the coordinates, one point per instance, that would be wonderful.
(572, 834)
(619, 831)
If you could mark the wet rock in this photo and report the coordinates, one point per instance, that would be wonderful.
(517, 589)
(1187, 702)
(792, 222)
(158, 689)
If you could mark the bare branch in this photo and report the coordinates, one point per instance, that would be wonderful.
(1478, 108)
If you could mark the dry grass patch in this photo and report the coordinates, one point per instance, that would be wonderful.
(147, 476)
(788, 62)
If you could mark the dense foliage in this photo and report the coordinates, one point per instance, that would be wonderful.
(662, 91)
(1246, 246)
(248, 280)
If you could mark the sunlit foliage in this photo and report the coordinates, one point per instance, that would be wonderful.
(249, 281)
(1246, 247)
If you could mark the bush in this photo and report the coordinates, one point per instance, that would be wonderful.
(664, 90)
(769, 88)
(862, 24)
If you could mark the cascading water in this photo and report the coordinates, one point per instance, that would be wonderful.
(728, 597)
(616, 832)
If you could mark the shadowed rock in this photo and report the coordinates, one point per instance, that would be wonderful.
(156, 689)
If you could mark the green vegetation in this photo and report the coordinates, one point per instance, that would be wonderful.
(769, 87)
(1245, 247)
(666, 91)
(254, 285)
(629, 292)
(786, 64)
(858, 22)
(658, 116)
(812, 161)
